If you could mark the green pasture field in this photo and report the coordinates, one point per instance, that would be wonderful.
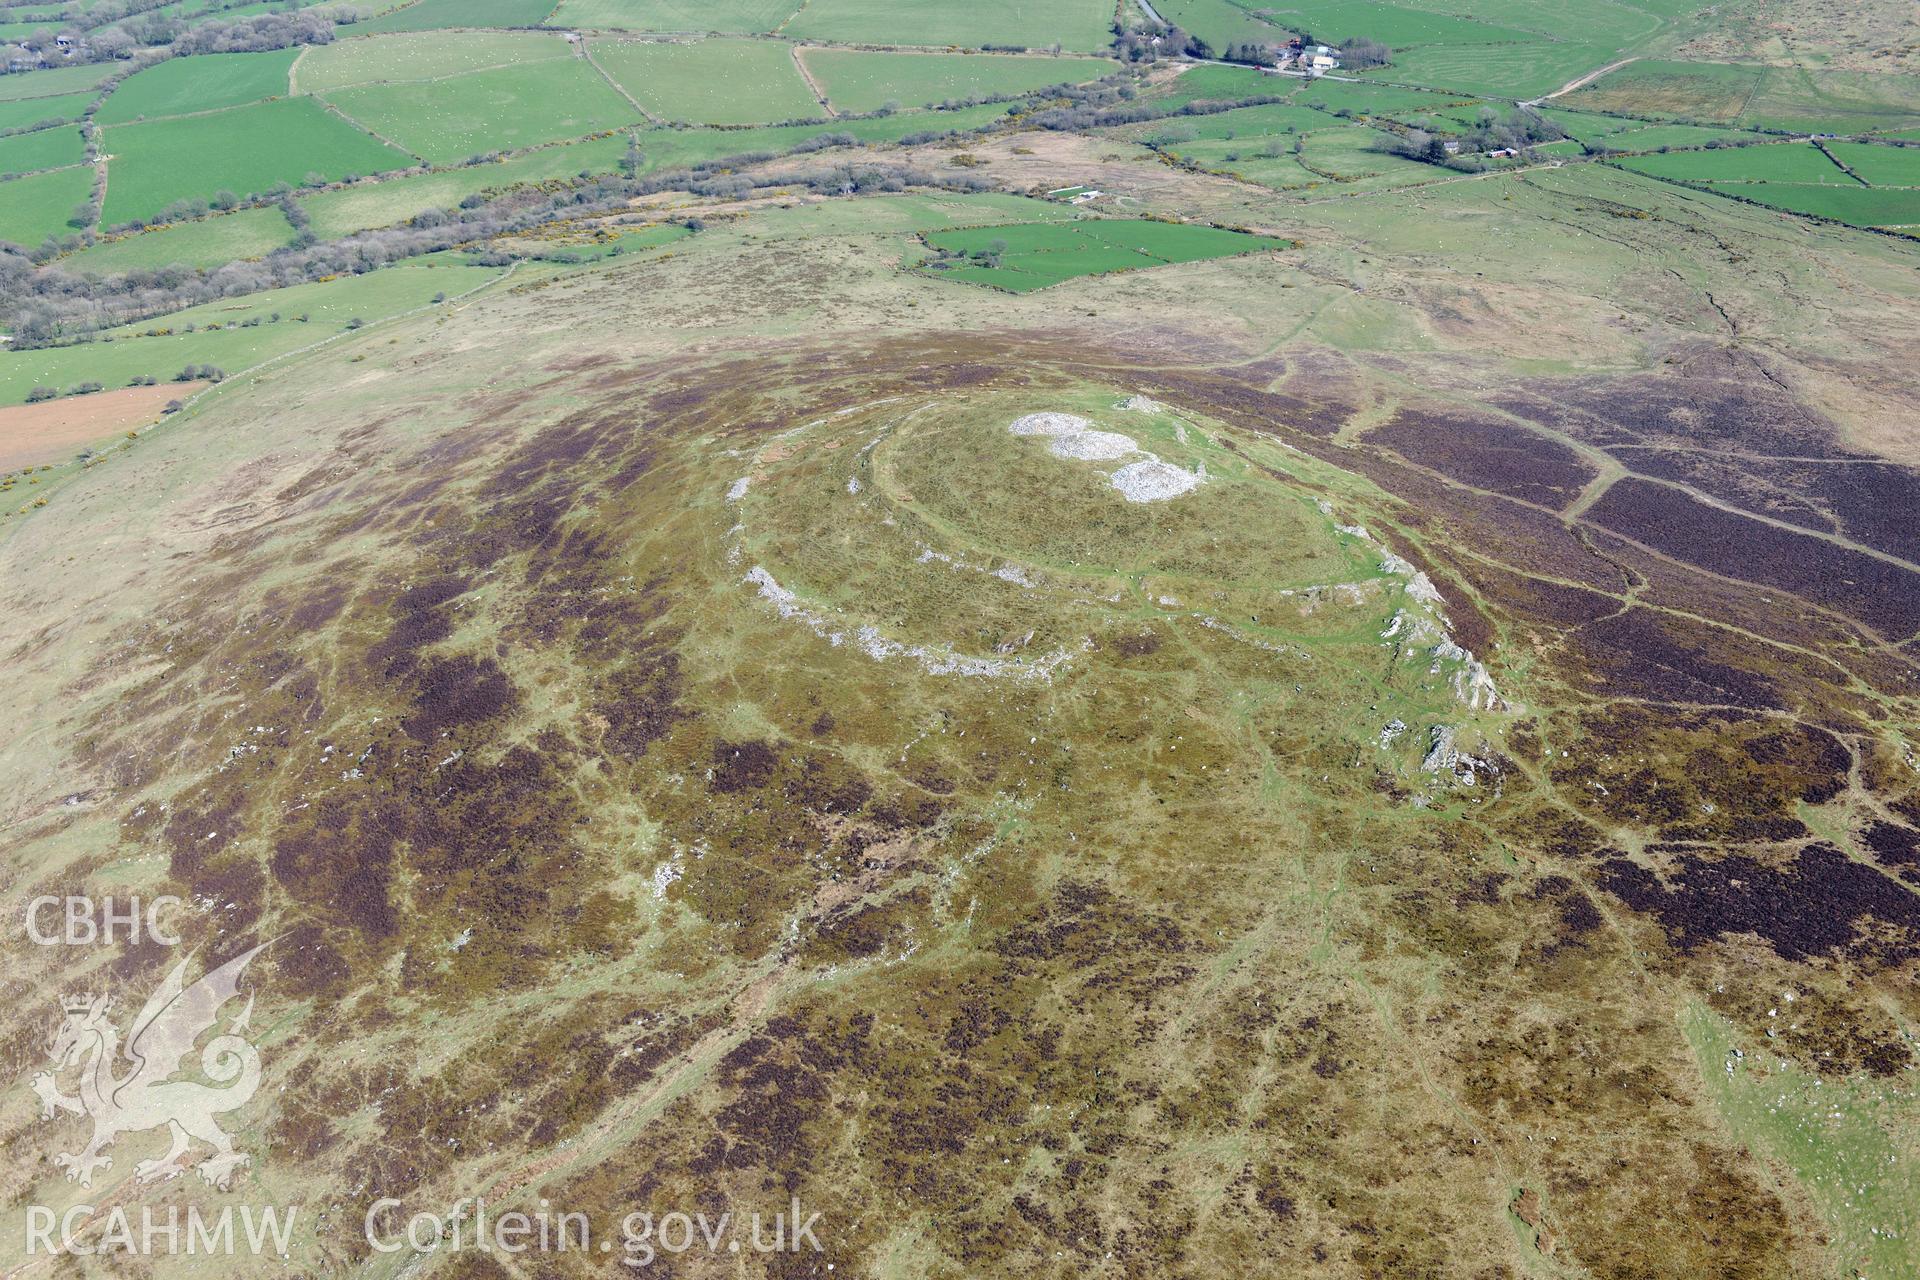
(31, 209)
(1854, 205)
(434, 15)
(1654, 136)
(204, 242)
(1364, 98)
(1783, 162)
(1600, 21)
(30, 111)
(1330, 21)
(1880, 165)
(727, 17)
(1220, 22)
(1079, 25)
(204, 82)
(245, 150)
(713, 81)
(1353, 156)
(1211, 82)
(54, 82)
(1248, 125)
(421, 56)
(500, 110)
(1714, 91)
(1516, 71)
(1266, 165)
(856, 80)
(47, 149)
(329, 306)
(1037, 255)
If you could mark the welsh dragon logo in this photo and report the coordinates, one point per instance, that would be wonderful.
(146, 1097)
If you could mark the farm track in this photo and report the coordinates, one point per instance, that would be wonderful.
(1586, 79)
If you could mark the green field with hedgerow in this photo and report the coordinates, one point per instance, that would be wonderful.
(35, 207)
(710, 81)
(206, 82)
(245, 150)
(445, 121)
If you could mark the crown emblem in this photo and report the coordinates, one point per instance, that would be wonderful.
(76, 1004)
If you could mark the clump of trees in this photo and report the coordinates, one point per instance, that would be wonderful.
(1253, 53)
(1150, 42)
(948, 259)
(1519, 130)
(1361, 52)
